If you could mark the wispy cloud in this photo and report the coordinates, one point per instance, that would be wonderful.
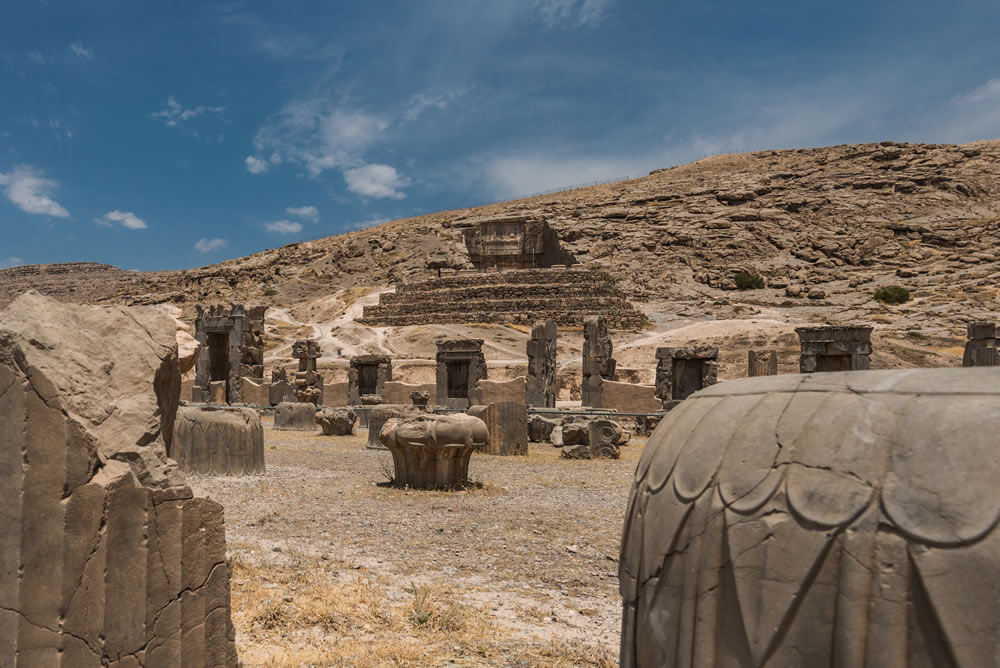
(256, 165)
(37, 57)
(572, 13)
(376, 181)
(81, 52)
(28, 189)
(420, 103)
(11, 262)
(123, 218)
(208, 245)
(309, 213)
(174, 114)
(279, 41)
(283, 227)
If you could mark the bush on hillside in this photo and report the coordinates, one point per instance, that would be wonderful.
(747, 281)
(894, 294)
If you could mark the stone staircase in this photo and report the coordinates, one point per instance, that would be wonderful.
(521, 297)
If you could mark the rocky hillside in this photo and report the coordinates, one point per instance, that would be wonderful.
(823, 227)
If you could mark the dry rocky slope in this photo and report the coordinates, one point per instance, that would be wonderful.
(824, 227)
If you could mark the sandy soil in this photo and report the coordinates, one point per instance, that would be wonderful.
(333, 568)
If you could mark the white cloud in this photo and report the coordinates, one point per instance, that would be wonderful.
(11, 262)
(174, 114)
(208, 245)
(309, 213)
(376, 181)
(420, 103)
(256, 165)
(283, 227)
(81, 52)
(125, 218)
(30, 191)
(37, 57)
(988, 92)
(573, 13)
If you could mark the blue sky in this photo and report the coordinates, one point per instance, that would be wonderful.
(168, 135)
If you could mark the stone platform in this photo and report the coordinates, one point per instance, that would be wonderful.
(519, 297)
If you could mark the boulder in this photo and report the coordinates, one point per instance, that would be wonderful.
(105, 554)
(336, 421)
(214, 440)
(295, 416)
(433, 451)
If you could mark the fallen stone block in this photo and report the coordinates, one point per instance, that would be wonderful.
(297, 416)
(336, 421)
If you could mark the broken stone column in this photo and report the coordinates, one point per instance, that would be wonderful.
(981, 349)
(214, 441)
(680, 372)
(598, 364)
(433, 451)
(834, 348)
(762, 363)
(460, 367)
(378, 416)
(507, 423)
(295, 416)
(336, 421)
(540, 428)
(368, 375)
(231, 346)
(280, 390)
(836, 519)
(308, 382)
(541, 387)
(106, 557)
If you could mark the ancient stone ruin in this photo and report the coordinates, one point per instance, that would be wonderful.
(336, 421)
(762, 363)
(598, 364)
(280, 390)
(844, 519)
(295, 416)
(834, 348)
(509, 297)
(507, 423)
(106, 557)
(211, 440)
(541, 385)
(379, 415)
(367, 376)
(981, 349)
(433, 451)
(514, 242)
(460, 367)
(232, 346)
(601, 441)
(680, 372)
(308, 381)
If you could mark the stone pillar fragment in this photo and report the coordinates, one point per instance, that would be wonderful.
(209, 441)
(981, 349)
(762, 363)
(308, 382)
(507, 423)
(834, 348)
(295, 416)
(541, 387)
(598, 364)
(433, 451)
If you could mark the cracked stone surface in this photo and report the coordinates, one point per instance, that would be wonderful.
(841, 518)
(212, 440)
(106, 558)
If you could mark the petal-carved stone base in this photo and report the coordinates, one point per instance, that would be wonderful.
(433, 451)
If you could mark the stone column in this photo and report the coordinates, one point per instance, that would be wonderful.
(762, 363)
(541, 387)
(981, 349)
(598, 364)
(308, 382)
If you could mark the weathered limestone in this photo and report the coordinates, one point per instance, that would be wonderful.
(680, 372)
(981, 349)
(105, 556)
(433, 451)
(762, 363)
(507, 423)
(460, 367)
(368, 375)
(629, 397)
(308, 382)
(541, 382)
(598, 364)
(834, 348)
(836, 519)
(231, 346)
(336, 421)
(514, 242)
(540, 428)
(295, 416)
(218, 441)
(280, 389)
(597, 438)
(255, 393)
(378, 416)
(420, 397)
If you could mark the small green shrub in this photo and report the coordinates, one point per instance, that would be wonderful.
(270, 292)
(747, 281)
(894, 294)
(277, 271)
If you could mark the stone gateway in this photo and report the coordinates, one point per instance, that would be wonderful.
(835, 519)
(231, 347)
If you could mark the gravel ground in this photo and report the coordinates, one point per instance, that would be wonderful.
(524, 566)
